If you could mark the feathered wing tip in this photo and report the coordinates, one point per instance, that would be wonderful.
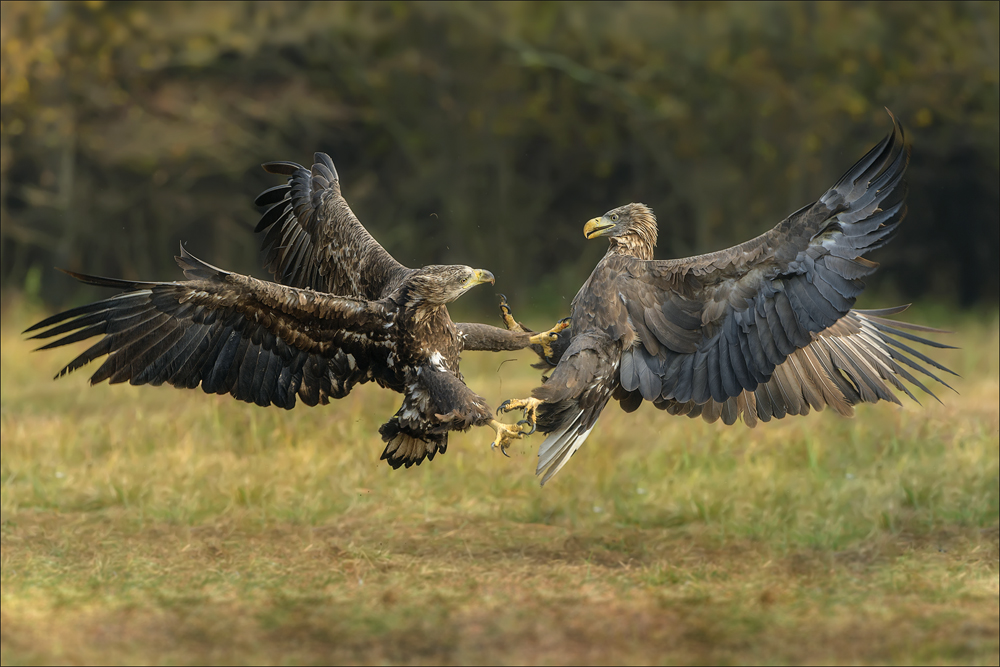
(130, 287)
(323, 167)
(878, 171)
(280, 168)
(94, 319)
(559, 447)
(863, 358)
(295, 222)
(890, 332)
(101, 281)
(321, 162)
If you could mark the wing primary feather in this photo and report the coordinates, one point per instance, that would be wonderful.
(188, 362)
(881, 326)
(924, 358)
(271, 216)
(143, 366)
(244, 385)
(125, 362)
(267, 377)
(271, 196)
(714, 374)
(215, 382)
(727, 374)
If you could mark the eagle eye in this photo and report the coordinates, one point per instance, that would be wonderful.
(614, 217)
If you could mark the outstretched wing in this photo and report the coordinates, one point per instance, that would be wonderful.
(717, 325)
(860, 359)
(261, 342)
(760, 330)
(313, 239)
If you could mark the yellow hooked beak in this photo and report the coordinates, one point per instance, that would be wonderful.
(596, 227)
(481, 276)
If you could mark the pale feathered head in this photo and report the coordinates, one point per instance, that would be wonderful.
(441, 284)
(630, 228)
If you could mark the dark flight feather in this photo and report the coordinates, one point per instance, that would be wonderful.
(758, 331)
(343, 313)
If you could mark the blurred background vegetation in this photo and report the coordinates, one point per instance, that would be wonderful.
(487, 134)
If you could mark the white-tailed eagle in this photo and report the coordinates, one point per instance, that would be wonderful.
(347, 314)
(761, 330)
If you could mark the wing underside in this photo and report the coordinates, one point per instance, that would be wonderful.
(759, 331)
(260, 342)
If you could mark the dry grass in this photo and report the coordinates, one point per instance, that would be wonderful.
(163, 526)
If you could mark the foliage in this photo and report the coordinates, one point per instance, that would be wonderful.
(488, 133)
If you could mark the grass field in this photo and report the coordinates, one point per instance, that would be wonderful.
(165, 526)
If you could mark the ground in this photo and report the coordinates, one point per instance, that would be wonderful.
(154, 525)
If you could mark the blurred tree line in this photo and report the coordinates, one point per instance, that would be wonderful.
(487, 134)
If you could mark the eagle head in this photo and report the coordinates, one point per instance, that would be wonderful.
(630, 229)
(441, 284)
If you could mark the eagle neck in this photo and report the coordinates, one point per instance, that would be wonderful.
(632, 245)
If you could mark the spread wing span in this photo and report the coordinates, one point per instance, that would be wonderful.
(761, 330)
(313, 239)
(263, 343)
(716, 325)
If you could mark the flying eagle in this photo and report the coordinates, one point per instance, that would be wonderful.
(348, 314)
(759, 331)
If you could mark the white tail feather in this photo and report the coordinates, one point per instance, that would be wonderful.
(557, 449)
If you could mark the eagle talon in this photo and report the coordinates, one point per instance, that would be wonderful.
(527, 406)
(546, 338)
(507, 315)
(503, 448)
(505, 435)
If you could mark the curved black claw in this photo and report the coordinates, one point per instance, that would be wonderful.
(507, 315)
(503, 448)
(505, 406)
(529, 423)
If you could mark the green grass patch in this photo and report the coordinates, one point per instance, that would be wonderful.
(165, 526)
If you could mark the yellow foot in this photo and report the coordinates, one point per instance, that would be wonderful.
(546, 338)
(508, 317)
(505, 435)
(527, 406)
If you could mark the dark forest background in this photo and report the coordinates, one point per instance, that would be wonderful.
(487, 134)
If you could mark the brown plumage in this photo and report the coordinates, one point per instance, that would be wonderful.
(758, 331)
(313, 239)
(351, 314)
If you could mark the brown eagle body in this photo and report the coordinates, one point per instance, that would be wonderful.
(347, 314)
(759, 331)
